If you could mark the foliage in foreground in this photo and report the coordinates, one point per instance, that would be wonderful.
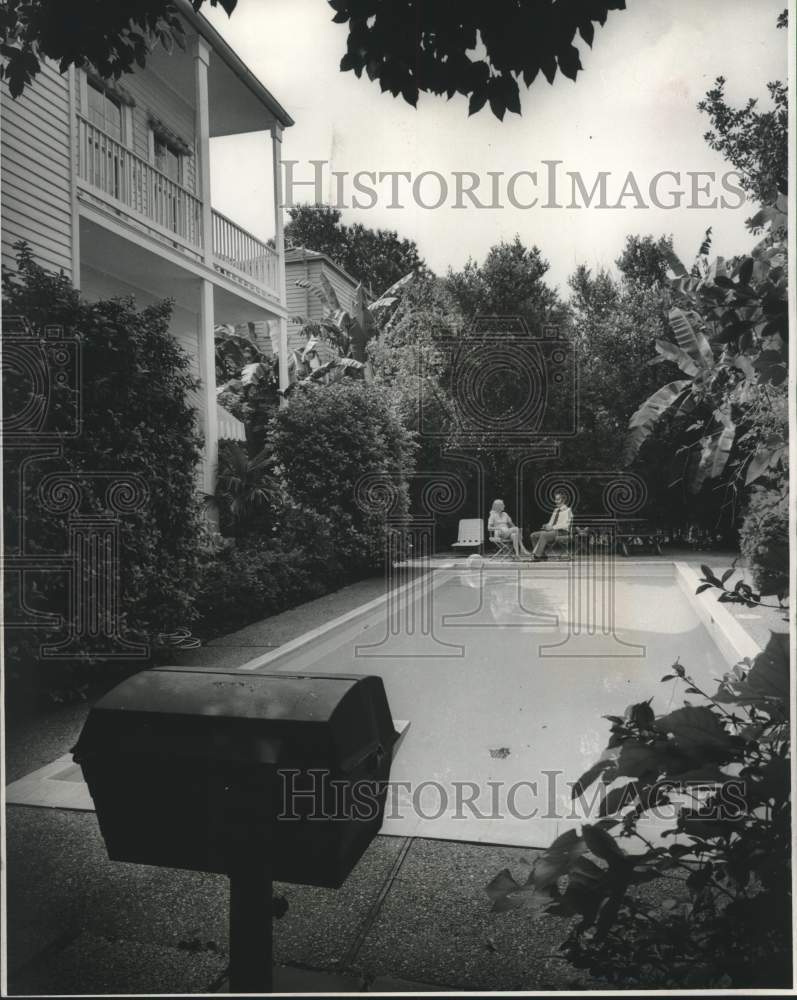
(114, 38)
(410, 53)
(723, 865)
(137, 419)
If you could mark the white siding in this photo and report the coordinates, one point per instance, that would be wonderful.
(302, 302)
(35, 164)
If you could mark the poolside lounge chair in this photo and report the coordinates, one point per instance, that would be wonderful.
(470, 534)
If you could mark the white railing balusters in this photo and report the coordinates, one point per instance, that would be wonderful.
(111, 169)
(243, 257)
(118, 172)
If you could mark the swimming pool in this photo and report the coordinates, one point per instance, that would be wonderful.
(504, 673)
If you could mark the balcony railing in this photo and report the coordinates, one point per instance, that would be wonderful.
(133, 187)
(138, 188)
(243, 257)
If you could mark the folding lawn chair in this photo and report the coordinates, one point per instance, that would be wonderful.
(503, 546)
(562, 546)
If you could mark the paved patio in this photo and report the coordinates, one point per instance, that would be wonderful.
(413, 915)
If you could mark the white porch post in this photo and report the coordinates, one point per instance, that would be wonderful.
(207, 372)
(201, 62)
(279, 240)
(207, 346)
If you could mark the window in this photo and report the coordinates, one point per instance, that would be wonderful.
(104, 111)
(167, 160)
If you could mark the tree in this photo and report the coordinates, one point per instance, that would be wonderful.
(113, 38)
(729, 325)
(615, 327)
(755, 142)
(412, 48)
(508, 286)
(376, 257)
(411, 365)
(646, 259)
(508, 283)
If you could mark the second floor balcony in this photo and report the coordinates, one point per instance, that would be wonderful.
(133, 187)
(142, 152)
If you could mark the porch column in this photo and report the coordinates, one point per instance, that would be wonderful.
(279, 241)
(202, 128)
(207, 373)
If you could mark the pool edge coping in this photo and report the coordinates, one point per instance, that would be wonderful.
(731, 638)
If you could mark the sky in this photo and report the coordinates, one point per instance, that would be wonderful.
(633, 108)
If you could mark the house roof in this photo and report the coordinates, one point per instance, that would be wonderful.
(231, 58)
(294, 255)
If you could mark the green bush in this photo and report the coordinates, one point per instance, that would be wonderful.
(264, 574)
(335, 444)
(136, 419)
(706, 903)
(764, 539)
(247, 491)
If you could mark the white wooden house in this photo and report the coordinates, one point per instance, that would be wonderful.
(110, 182)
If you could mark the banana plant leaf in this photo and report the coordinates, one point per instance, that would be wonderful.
(669, 352)
(644, 420)
(714, 456)
(690, 339)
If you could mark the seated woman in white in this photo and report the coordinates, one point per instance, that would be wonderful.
(500, 524)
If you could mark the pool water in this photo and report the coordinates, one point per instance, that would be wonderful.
(504, 674)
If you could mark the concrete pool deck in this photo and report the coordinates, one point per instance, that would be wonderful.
(413, 914)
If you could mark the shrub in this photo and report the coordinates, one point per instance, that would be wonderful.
(246, 490)
(264, 574)
(764, 539)
(724, 767)
(136, 419)
(329, 442)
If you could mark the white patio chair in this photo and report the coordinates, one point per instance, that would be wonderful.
(470, 534)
